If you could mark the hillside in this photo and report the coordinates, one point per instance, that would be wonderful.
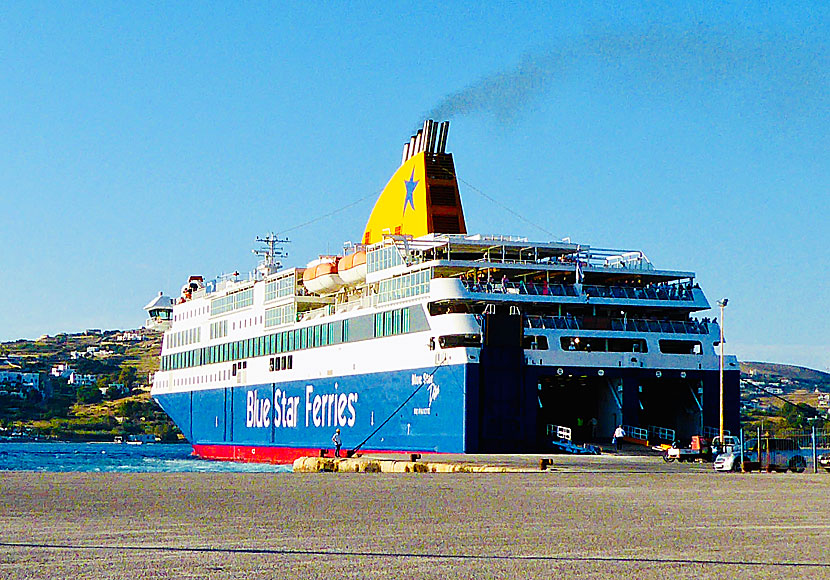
(99, 388)
(784, 396)
(776, 372)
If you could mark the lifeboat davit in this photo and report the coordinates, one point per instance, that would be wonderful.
(320, 276)
(352, 268)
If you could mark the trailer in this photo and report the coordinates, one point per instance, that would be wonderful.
(700, 449)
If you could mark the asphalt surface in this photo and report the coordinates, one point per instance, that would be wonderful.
(589, 517)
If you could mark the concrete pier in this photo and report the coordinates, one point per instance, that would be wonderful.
(589, 517)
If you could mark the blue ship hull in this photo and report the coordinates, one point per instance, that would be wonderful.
(303, 415)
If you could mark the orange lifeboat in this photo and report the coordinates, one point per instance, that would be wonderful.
(320, 276)
(352, 268)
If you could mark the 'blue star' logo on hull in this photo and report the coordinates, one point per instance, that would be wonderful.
(410, 184)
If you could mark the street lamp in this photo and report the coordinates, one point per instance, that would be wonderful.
(722, 304)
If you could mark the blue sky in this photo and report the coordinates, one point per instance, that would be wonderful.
(142, 143)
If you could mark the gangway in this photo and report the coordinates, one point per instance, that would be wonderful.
(648, 436)
(661, 434)
(636, 435)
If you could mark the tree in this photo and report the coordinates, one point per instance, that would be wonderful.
(166, 433)
(89, 394)
(127, 376)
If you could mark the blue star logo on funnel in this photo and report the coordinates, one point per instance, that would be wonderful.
(410, 184)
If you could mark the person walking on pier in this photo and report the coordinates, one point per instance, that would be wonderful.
(619, 433)
(337, 443)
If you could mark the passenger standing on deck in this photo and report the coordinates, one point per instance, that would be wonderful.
(337, 443)
(619, 433)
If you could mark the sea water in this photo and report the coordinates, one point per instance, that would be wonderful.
(118, 457)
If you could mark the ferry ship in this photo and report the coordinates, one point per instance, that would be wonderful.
(424, 338)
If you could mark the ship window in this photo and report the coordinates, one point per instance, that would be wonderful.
(681, 347)
(460, 340)
(290, 359)
(290, 336)
(603, 344)
(534, 342)
(324, 334)
(346, 331)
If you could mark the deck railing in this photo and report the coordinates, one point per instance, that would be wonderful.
(666, 292)
(616, 324)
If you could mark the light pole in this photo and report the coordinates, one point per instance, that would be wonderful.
(722, 304)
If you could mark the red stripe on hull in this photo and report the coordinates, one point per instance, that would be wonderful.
(278, 455)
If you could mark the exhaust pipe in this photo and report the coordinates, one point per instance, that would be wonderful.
(433, 136)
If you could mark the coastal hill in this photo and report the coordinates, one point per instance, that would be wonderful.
(784, 396)
(93, 385)
(777, 372)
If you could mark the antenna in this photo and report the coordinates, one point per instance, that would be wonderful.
(269, 254)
